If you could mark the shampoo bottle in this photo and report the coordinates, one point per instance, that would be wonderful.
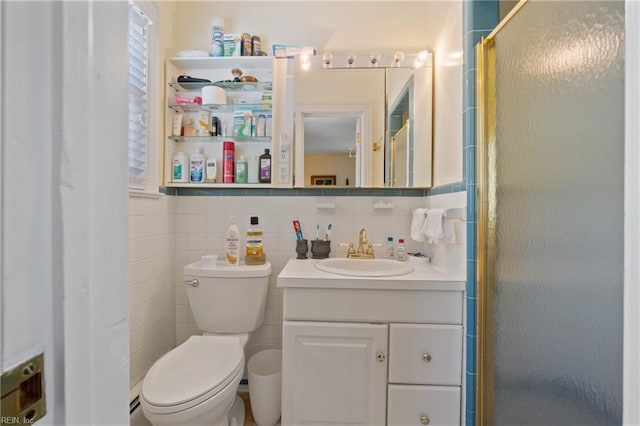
(232, 245)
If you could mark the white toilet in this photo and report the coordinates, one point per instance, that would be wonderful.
(196, 383)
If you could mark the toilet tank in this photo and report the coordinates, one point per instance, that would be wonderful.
(227, 299)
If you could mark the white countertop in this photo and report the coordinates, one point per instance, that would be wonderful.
(301, 273)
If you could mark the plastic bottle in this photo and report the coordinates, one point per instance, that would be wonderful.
(265, 167)
(390, 249)
(254, 252)
(196, 168)
(179, 168)
(228, 153)
(232, 245)
(217, 37)
(211, 167)
(241, 170)
(400, 251)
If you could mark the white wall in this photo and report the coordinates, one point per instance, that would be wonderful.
(64, 203)
(202, 221)
(152, 304)
(447, 77)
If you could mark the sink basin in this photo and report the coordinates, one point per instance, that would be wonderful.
(364, 267)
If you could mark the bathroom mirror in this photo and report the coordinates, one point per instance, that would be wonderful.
(365, 126)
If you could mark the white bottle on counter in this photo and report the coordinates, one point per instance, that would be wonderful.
(401, 254)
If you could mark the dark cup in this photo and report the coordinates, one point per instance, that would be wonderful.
(320, 249)
(302, 247)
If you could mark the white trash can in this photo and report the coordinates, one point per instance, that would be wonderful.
(265, 386)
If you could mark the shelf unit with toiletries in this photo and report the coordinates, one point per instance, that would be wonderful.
(265, 104)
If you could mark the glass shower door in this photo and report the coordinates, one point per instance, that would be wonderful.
(551, 90)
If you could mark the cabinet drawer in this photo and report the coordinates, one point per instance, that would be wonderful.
(422, 405)
(425, 354)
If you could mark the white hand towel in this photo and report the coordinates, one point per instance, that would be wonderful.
(448, 230)
(432, 228)
(417, 221)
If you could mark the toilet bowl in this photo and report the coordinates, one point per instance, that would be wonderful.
(196, 383)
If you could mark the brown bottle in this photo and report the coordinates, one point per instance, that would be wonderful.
(265, 167)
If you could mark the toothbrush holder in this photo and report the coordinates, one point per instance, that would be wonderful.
(320, 249)
(302, 247)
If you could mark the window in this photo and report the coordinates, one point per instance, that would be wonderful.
(142, 104)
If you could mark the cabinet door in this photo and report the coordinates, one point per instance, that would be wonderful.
(424, 405)
(334, 373)
(429, 354)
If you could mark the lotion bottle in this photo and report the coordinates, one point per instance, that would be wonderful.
(179, 168)
(232, 245)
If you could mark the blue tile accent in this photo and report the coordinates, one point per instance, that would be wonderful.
(299, 192)
(479, 18)
(471, 285)
(484, 14)
(469, 96)
(447, 188)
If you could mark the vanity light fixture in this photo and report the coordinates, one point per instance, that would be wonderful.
(351, 60)
(326, 60)
(374, 60)
(421, 59)
(305, 62)
(398, 57)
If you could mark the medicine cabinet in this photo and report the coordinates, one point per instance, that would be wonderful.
(255, 113)
(364, 123)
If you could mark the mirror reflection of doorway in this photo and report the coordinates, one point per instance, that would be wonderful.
(400, 157)
(332, 138)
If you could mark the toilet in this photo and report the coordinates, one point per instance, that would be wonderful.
(197, 382)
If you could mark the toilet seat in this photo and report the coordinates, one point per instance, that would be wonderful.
(192, 373)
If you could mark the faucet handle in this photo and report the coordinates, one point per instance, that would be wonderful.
(350, 250)
(369, 249)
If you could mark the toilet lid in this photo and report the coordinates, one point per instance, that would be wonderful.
(201, 365)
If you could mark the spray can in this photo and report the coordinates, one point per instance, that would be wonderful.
(228, 152)
(217, 37)
(246, 44)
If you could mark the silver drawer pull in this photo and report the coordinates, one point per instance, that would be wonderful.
(380, 356)
(426, 357)
(192, 283)
(424, 420)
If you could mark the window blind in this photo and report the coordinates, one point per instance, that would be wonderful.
(138, 72)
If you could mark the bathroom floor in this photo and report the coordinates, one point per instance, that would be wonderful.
(138, 419)
(248, 415)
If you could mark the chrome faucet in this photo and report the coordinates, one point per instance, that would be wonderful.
(365, 248)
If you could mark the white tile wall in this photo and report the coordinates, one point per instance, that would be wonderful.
(167, 233)
(201, 223)
(450, 256)
(152, 304)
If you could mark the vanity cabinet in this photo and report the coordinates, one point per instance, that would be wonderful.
(266, 105)
(371, 351)
(338, 372)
